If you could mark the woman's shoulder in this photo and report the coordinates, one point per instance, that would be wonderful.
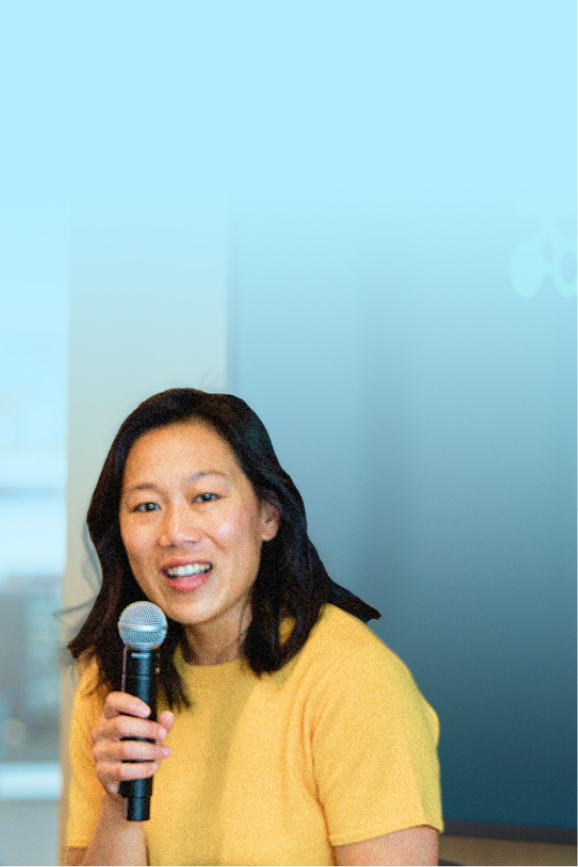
(338, 634)
(346, 648)
(349, 663)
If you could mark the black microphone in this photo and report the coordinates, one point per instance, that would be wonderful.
(142, 627)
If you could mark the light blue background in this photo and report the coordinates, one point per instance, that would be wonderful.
(401, 183)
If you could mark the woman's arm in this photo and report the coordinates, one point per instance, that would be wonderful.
(115, 840)
(410, 846)
(119, 756)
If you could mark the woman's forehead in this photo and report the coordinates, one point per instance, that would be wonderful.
(191, 446)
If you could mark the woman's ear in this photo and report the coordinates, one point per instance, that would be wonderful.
(270, 520)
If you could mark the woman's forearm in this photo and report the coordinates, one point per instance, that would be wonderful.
(116, 840)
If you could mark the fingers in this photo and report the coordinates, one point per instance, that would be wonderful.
(126, 761)
(126, 716)
(127, 727)
(111, 774)
(129, 751)
(118, 755)
(120, 702)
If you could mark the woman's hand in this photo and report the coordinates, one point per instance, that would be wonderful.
(117, 840)
(125, 716)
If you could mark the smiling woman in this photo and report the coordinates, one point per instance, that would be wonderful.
(193, 528)
(287, 733)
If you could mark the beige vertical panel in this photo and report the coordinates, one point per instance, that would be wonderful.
(148, 312)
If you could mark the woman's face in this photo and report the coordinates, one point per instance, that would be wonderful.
(192, 525)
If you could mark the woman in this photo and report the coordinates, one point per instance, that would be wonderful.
(287, 732)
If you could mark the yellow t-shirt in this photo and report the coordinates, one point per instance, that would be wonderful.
(337, 747)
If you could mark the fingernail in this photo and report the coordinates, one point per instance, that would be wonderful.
(166, 751)
(162, 733)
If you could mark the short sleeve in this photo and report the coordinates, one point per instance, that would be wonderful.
(374, 748)
(85, 793)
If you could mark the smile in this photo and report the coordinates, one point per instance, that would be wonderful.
(188, 577)
(188, 570)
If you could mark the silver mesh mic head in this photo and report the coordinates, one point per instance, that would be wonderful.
(143, 625)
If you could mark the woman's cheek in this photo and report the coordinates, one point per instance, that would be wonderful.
(225, 525)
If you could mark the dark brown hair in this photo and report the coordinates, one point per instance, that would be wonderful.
(291, 581)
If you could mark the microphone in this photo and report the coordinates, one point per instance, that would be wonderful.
(142, 627)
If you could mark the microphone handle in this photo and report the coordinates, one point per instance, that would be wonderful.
(139, 671)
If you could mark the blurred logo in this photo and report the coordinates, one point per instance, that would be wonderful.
(546, 257)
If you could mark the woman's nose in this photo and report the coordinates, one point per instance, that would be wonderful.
(178, 526)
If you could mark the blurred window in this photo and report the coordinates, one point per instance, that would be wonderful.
(34, 277)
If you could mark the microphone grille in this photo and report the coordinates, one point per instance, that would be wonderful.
(143, 625)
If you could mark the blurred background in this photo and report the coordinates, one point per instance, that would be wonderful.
(362, 220)
(34, 281)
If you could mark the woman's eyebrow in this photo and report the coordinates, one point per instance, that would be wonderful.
(144, 486)
(193, 477)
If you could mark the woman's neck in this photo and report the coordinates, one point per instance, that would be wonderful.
(207, 644)
(196, 654)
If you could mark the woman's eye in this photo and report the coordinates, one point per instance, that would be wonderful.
(146, 507)
(205, 498)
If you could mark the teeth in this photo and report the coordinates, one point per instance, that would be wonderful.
(186, 571)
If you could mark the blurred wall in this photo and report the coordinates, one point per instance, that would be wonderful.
(426, 411)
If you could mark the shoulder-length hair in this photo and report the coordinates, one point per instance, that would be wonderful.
(291, 581)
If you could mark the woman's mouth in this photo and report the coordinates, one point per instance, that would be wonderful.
(188, 577)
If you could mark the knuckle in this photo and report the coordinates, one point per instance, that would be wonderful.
(126, 750)
(123, 725)
(104, 773)
(110, 704)
(137, 771)
(126, 771)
